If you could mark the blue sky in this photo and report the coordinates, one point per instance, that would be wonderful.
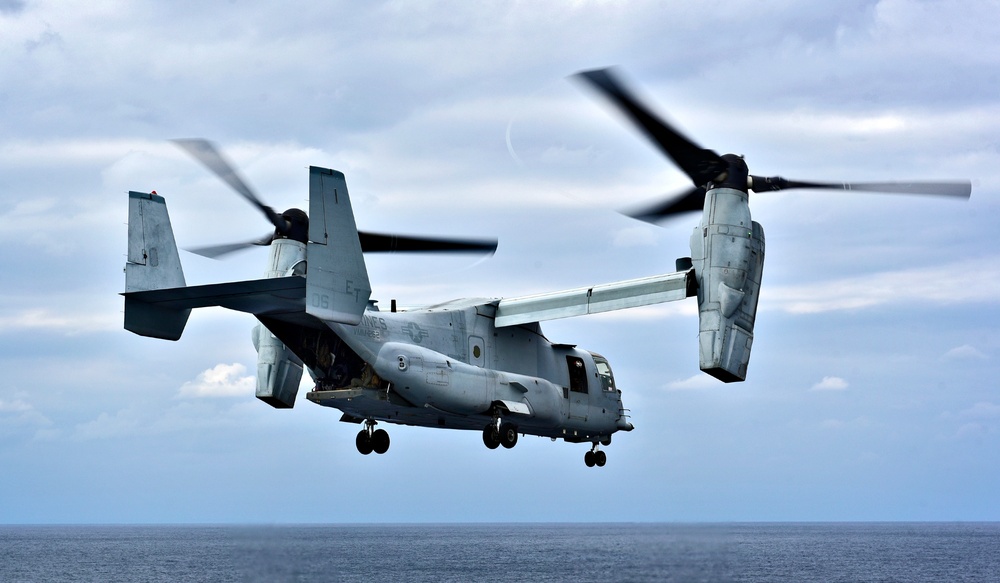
(872, 391)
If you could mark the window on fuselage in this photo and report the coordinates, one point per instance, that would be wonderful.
(604, 374)
(577, 374)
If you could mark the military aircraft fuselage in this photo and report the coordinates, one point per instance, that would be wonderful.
(449, 366)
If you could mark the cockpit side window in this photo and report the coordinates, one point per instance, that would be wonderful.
(604, 374)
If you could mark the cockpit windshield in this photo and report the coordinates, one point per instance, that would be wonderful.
(604, 373)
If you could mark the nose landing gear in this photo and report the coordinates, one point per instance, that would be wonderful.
(370, 439)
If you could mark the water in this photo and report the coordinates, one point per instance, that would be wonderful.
(910, 552)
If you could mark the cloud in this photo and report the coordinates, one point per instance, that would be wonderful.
(832, 424)
(981, 410)
(696, 383)
(223, 380)
(18, 412)
(72, 322)
(830, 384)
(936, 284)
(124, 422)
(964, 352)
(977, 421)
(638, 236)
(15, 406)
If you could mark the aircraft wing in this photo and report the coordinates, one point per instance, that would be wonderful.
(595, 299)
(281, 298)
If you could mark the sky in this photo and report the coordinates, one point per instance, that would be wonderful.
(872, 392)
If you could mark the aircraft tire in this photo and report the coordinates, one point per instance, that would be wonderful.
(600, 458)
(364, 442)
(588, 458)
(508, 435)
(380, 441)
(491, 437)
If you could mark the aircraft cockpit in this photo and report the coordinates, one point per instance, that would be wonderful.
(604, 372)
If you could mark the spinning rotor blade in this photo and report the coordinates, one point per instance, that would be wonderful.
(704, 166)
(372, 243)
(292, 225)
(957, 189)
(691, 200)
(216, 251)
(378, 243)
(207, 154)
(701, 165)
(694, 199)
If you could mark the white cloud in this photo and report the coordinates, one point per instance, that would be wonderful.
(695, 383)
(17, 415)
(73, 322)
(964, 352)
(223, 380)
(937, 284)
(972, 430)
(15, 406)
(981, 410)
(124, 422)
(830, 384)
(637, 236)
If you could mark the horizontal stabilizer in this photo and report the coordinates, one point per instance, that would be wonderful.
(282, 298)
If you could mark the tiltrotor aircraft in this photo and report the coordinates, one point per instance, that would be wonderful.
(477, 364)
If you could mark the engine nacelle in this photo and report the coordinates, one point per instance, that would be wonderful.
(279, 371)
(727, 253)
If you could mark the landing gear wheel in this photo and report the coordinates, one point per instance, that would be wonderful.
(491, 436)
(380, 441)
(595, 457)
(508, 435)
(364, 442)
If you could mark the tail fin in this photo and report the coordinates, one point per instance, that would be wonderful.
(337, 286)
(153, 263)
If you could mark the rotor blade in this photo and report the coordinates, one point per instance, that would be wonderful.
(957, 189)
(691, 200)
(701, 165)
(207, 154)
(379, 243)
(216, 251)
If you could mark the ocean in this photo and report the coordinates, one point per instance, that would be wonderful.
(799, 552)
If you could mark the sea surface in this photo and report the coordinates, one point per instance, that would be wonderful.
(800, 552)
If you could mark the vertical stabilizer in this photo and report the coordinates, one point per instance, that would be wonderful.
(153, 263)
(337, 287)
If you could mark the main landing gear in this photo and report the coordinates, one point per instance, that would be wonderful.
(371, 439)
(595, 457)
(496, 434)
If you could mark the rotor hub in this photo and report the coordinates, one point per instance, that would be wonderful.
(735, 175)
